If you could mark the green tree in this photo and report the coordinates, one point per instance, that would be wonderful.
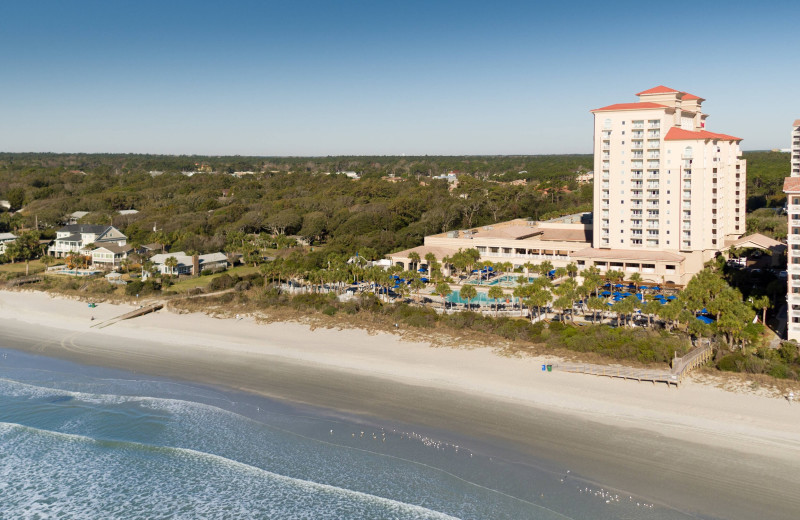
(468, 292)
(495, 293)
(171, 263)
(761, 303)
(443, 290)
(596, 305)
(26, 247)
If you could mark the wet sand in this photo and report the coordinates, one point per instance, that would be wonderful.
(697, 449)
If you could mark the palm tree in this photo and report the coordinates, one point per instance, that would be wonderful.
(431, 259)
(413, 257)
(468, 292)
(763, 303)
(443, 290)
(636, 278)
(596, 305)
(561, 272)
(572, 269)
(495, 293)
(539, 298)
(172, 263)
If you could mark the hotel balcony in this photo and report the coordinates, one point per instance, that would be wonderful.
(654, 155)
(637, 155)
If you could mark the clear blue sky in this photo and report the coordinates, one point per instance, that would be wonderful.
(343, 77)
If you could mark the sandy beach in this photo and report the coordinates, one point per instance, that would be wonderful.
(700, 449)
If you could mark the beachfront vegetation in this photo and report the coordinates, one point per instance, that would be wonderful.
(306, 233)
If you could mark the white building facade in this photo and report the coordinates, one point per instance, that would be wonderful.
(791, 187)
(663, 183)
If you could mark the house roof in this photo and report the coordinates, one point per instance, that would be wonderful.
(114, 248)
(758, 240)
(151, 247)
(641, 255)
(791, 184)
(661, 89)
(7, 236)
(78, 214)
(679, 134)
(642, 105)
(687, 96)
(796, 122)
(85, 228)
(128, 211)
(213, 257)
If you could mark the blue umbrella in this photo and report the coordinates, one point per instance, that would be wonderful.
(605, 293)
(671, 297)
(656, 288)
(639, 296)
(704, 311)
(618, 286)
(705, 319)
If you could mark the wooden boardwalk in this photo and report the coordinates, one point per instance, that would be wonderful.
(681, 366)
(153, 307)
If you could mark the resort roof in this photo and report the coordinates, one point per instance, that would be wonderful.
(512, 232)
(791, 184)
(631, 106)
(567, 235)
(661, 89)
(679, 134)
(7, 236)
(438, 251)
(640, 255)
(796, 122)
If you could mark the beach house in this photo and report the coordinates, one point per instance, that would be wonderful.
(4, 239)
(110, 255)
(78, 238)
(185, 264)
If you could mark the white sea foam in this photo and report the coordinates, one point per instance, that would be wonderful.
(47, 474)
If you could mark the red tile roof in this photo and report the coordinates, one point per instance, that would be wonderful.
(796, 122)
(661, 89)
(791, 184)
(679, 134)
(630, 106)
(686, 95)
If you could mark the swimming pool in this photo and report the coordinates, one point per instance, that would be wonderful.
(507, 280)
(481, 298)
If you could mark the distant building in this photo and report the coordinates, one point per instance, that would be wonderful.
(350, 175)
(76, 238)
(124, 212)
(5, 204)
(75, 216)
(5, 238)
(185, 265)
(791, 186)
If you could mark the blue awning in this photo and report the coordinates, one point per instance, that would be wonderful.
(705, 319)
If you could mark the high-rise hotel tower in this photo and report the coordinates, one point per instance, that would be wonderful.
(791, 186)
(663, 183)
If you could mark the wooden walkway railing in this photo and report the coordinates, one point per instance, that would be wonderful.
(680, 367)
(128, 315)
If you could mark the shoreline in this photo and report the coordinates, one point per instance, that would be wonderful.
(695, 442)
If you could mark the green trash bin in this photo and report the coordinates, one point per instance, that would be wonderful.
(549, 368)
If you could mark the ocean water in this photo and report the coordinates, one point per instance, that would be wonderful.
(84, 442)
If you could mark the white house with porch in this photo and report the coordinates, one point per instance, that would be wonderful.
(5, 238)
(76, 238)
(110, 255)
